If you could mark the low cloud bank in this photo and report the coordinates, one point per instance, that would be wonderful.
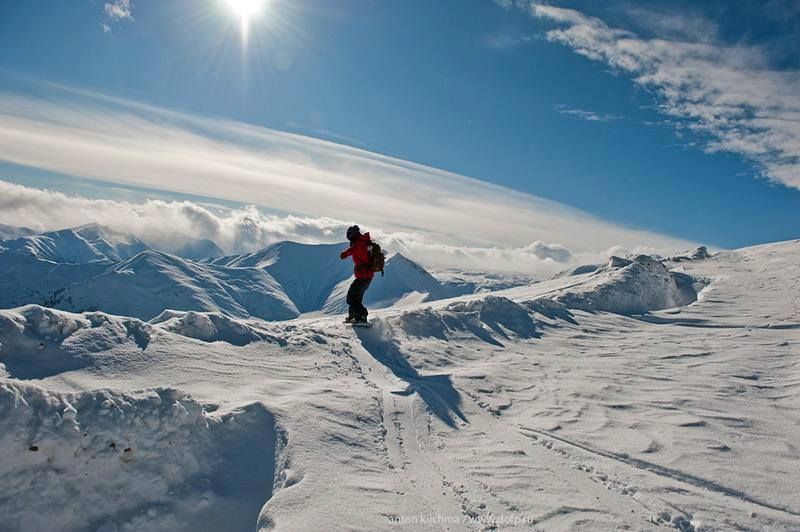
(169, 225)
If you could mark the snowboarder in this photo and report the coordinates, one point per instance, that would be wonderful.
(359, 250)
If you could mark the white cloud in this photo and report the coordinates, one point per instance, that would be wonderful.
(589, 116)
(544, 251)
(168, 225)
(94, 136)
(165, 224)
(118, 10)
(730, 94)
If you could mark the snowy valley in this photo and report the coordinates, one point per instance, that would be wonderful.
(141, 390)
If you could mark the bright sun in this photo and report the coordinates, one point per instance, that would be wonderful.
(246, 9)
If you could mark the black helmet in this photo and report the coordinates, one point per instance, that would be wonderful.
(353, 232)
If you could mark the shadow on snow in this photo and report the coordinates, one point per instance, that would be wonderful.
(437, 391)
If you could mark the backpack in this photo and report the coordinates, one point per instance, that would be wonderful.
(377, 259)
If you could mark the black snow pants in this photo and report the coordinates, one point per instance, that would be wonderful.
(355, 298)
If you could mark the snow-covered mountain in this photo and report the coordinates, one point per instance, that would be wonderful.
(88, 244)
(198, 250)
(74, 270)
(568, 404)
(8, 232)
(306, 272)
(315, 278)
(151, 282)
(25, 279)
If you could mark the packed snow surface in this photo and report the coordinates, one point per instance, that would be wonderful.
(640, 394)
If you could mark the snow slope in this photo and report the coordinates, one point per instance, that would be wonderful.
(571, 404)
(145, 285)
(82, 245)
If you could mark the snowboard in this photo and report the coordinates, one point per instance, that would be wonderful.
(365, 324)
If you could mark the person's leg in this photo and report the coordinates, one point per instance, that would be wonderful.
(355, 298)
(362, 310)
(352, 300)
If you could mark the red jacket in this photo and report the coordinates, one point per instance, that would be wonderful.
(358, 250)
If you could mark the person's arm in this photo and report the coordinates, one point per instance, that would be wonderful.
(346, 253)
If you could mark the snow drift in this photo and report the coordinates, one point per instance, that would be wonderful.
(153, 460)
(211, 327)
(630, 286)
(38, 342)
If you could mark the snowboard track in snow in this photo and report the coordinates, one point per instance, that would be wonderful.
(673, 474)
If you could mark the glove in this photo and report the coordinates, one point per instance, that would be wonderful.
(343, 255)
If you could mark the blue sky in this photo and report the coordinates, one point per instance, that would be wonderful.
(479, 88)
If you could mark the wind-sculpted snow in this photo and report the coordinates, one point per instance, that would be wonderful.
(630, 286)
(490, 318)
(623, 286)
(701, 253)
(210, 327)
(37, 342)
(149, 461)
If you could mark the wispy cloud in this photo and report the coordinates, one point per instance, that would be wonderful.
(108, 139)
(688, 25)
(589, 116)
(727, 94)
(118, 10)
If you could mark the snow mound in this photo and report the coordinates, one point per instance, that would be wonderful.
(151, 282)
(579, 270)
(38, 342)
(631, 286)
(153, 460)
(486, 318)
(472, 281)
(82, 245)
(210, 327)
(700, 253)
